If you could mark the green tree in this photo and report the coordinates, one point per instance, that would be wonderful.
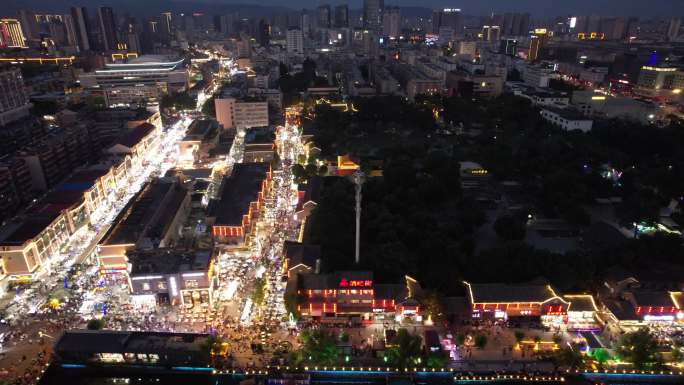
(291, 305)
(323, 170)
(212, 347)
(310, 170)
(431, 303)
(317, 348)
(95, 324)
(640, 348)
(209, 107)
(299, 173)
(436, 359)
(569, 357)
(406, 349)
(259, 293)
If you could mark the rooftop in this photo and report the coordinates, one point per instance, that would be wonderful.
(201, 129)
(146, 62)
(299, 253)
(567, 113)
(506, 293)
(238, 191)
(109, 341)
(133, 137)
(147, 214)
(81, 180)
(17, 233)
(169, 261)
(581, 302)
(652, 298)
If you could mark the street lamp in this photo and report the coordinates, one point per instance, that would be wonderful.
(358, 178)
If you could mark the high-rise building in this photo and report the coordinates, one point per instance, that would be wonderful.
(391, 22)
(14, 101)
(132, 35)
(305, 22)
(11, 35)
(323, 16)
(372, 14)
(593, 23)
(436, 20)
(166, 24)
(71, 32)
(537, 41)
(227, 24)
(514, 24)
(496, 19)
(57, 31)
(447, 17)
(107, 22)
(342, 16)
(673, 28)
(264, 35)
(491, 32)
(80, 19)
(524, 28)
(29, 24)
(295, 41)
(614, 28)
(509, 47)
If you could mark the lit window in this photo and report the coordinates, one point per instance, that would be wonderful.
(146, 286)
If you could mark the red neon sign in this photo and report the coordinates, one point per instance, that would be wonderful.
(355, 283)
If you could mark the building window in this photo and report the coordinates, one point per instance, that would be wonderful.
(146, 286)
(192, 283)
(161, 285)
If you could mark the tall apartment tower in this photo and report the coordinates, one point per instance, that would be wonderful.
(80, 20)
(107, 28)
(391, 22)
(372, 14)
(14, 101)
(342, 16)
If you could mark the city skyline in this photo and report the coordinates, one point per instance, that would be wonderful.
(537, 8)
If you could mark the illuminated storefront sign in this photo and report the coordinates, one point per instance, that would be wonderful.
(355, 283)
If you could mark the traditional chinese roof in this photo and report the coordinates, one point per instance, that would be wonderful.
(505, 293)
(581, 302)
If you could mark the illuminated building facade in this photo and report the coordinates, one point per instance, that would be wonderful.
(531, 301)
(660, 82)
(11, 35)
(233, 217)
(538, 40)
(235, 114)
(143, 79)
(352, 296)
(640, 307)
(32, 242)
(170, 276)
